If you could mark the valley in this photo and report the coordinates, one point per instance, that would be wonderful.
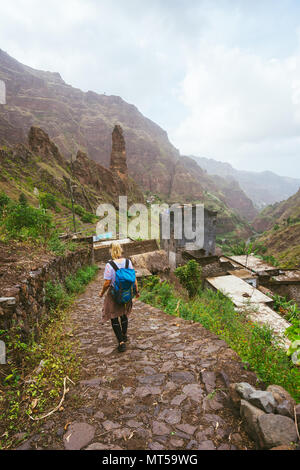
(63, 152)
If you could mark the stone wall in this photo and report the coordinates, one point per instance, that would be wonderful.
(25, 304)
(213, 269)
(290, 291)
(102, 254)
(155, 262)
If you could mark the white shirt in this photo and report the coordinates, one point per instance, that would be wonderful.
(110, 273)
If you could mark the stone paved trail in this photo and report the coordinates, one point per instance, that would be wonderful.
(169, 390)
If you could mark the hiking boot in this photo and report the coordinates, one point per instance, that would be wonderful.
(122, 347)
(125, 338)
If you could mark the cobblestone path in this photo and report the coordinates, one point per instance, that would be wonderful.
(169, 390)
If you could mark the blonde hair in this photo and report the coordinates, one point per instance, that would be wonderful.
(116, 250)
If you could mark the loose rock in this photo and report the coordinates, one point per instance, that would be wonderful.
(78, 436)
(263, 400)
(276, 430)
(250, 414)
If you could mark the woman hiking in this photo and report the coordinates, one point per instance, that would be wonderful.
(117, 307)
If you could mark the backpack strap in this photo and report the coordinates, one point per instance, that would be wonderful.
(113, 265)
(127, 264)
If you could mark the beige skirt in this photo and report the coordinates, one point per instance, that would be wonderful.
(113, 310)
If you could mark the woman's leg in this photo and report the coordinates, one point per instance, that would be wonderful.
(117, 329)
(124, 325)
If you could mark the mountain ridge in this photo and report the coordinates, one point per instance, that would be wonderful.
(83, 121)
(263, 188)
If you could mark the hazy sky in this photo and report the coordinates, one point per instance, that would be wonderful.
(222, 77)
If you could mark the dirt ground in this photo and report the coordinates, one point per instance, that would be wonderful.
(16, 261)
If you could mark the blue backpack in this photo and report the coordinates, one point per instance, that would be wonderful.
(124, 288)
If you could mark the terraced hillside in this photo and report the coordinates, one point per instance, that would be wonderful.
(280, 228)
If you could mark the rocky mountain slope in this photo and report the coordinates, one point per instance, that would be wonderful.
(281, 226)
(37, 168)
(78, 121)
(262, 188)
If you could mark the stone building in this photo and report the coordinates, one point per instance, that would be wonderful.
(203, 224)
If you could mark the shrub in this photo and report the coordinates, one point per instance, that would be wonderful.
(291, 313)
(56, 245)
(76, 284)
(24, 221)
(56, 296)
(23, 200)
(88, 218)
(4, 202)
(60, 247)
(189, 277)
(48, 201)
(243, 248)
(59, 296)
(269, 259)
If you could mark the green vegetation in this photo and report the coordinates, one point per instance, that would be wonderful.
(60, 297)
(255, 344)
(290, 311)
(19, 221)
(189, 277)
(4, 202)
(292, 220)
(58, 246)
(48, 201)
(242, 248)
(23, 222)
(86, 217)
(255, 248)
(281, 222)
(33, 381)
(294, 352)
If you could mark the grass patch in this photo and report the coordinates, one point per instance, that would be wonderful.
(23, 222)
(32, 381)
(60, 247)
(255, 344)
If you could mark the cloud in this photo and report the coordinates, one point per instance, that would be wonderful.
(240, 104)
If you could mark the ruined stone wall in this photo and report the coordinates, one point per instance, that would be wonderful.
(155, 262)
(26, 307)
(290, 291)
(213, 270)
(102, 254)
